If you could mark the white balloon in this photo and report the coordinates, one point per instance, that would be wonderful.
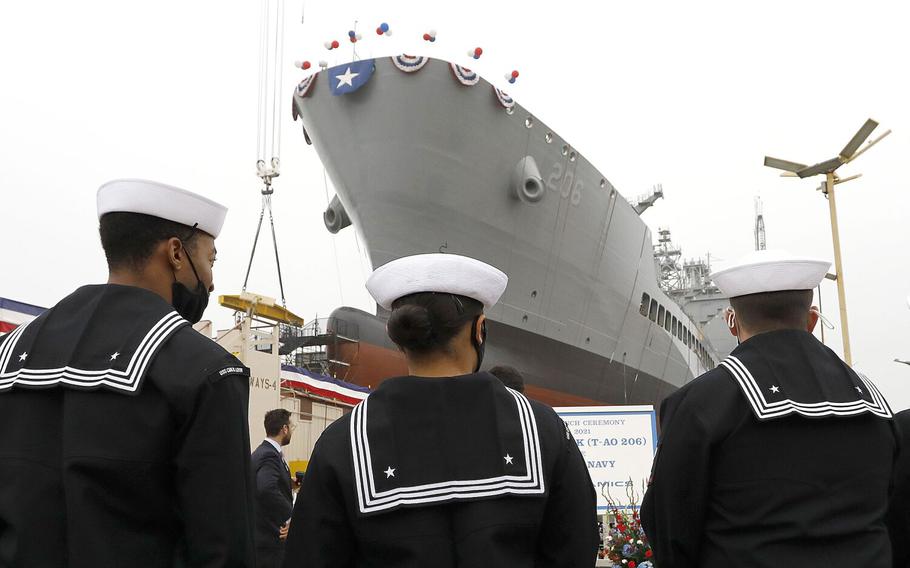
(328, 45)
(470, 53)
(298, 64)
(359, 37)
(388, 32)
(433, 33)
(323, 63)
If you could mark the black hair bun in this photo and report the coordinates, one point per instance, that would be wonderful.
(410, 327)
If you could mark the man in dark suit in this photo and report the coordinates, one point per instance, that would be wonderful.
(273, 489)
(898, 518)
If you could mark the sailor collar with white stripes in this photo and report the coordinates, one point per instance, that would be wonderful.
(411, 447)
(99, 337)
(788, 372)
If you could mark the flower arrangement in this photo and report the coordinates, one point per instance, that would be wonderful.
(625, 543)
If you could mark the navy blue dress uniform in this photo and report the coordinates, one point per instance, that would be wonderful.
(780, 456)
(447, 472)
(444, 472)
(898, 518)
(274, 503)
(123, 437)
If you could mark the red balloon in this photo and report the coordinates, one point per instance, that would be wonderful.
(335, 44)
(378, 31)
(353, 39)
(515, 74)
(306, 65)
(477, 51)
(426, 37)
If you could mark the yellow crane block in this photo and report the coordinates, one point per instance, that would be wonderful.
(260, 306)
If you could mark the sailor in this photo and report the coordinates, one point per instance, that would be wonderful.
(444, 467)
(898, 518)
(780, 456)
(123, 431)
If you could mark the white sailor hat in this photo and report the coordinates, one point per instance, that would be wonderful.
(161, 200)
(450, 273)
(770, 271)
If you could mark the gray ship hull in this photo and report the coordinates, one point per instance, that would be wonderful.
(422, 163)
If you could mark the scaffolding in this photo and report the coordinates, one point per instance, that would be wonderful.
(318, 346)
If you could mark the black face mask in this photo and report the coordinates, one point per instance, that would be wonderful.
(479, 346)
(190, 304)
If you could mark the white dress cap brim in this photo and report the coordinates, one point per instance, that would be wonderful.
(163, 201)
(770, 271)
(449, 273)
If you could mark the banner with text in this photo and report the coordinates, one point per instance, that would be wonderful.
(618, 444)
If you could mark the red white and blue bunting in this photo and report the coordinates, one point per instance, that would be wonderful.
(504, 99)
(464, 75)
(409, 63)
(303, 89)
(323, 386)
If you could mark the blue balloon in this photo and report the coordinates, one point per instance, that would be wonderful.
(512, 80)
(432, 39)
(351, 33)
(384, 26)
(476, 56)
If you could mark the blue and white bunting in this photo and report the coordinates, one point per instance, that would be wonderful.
(464, 75)
(303, 89)
(409, 63)
(505, 100)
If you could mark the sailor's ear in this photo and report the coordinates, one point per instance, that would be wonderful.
(813, 319)
(480, 332)
(732, 324)
(176, 254)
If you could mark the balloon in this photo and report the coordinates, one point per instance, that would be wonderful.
(515, 74)
(432, 39)
(388, 32)
(433, 33)
(384, 26)
(470, 53)
(511, 79)
(476, 56)
(353, 39)
(378, 31)
(328, 45)
(478, 51)
(323, 63)
(359, 37)
(351, 33)
(306, 65)
(335, 44)
(426, 37)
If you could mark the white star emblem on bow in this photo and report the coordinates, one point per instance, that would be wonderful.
(775, 389)
(346, 78)
(390, 472)
(24, 356)
(508, 459)
(115, 355)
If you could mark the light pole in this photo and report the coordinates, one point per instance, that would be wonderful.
(794, 169)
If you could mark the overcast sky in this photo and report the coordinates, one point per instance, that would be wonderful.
(688, 94)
